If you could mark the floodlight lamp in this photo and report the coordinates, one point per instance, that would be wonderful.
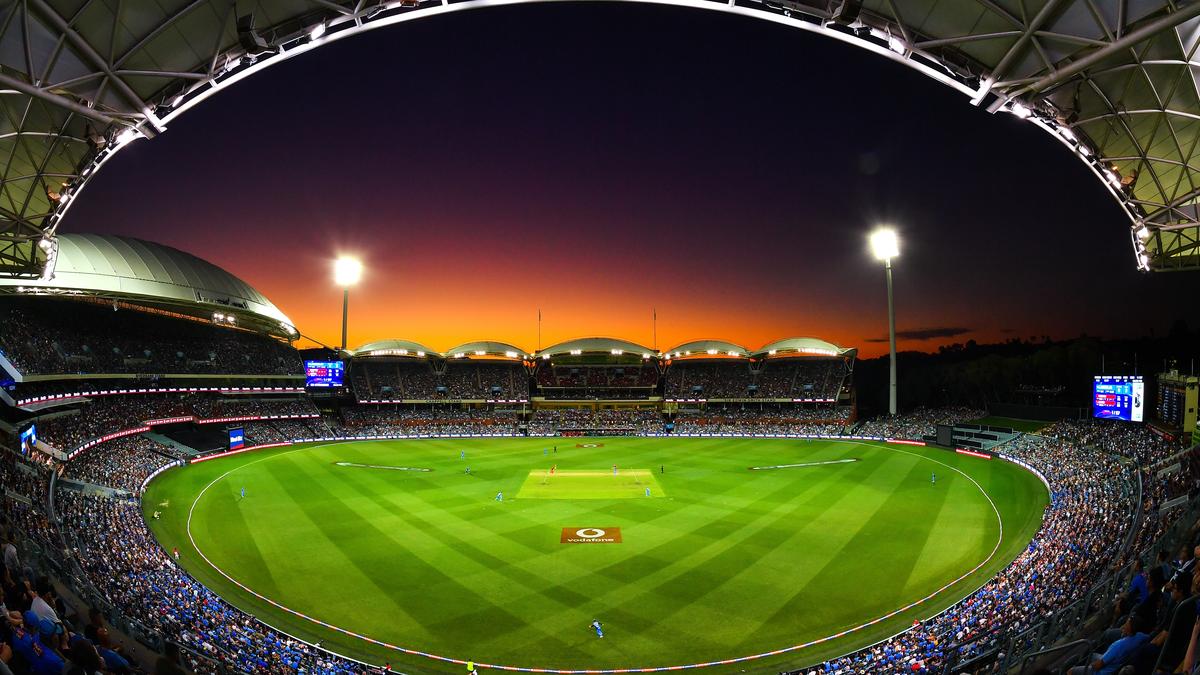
(317, 31)
(347, 271)
(885, 244)
(1020, 110)
(1143, 233)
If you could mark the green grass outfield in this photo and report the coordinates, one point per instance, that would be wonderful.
(721, 561)
(1028, 426)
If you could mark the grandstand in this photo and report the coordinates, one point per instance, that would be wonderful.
(119, 398)
(596, 368)
(404, 371)
(137, 364)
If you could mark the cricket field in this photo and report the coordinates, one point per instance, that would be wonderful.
(691, 551)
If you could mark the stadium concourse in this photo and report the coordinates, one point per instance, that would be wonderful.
(122, 381)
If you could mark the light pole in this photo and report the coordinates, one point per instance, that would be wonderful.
(886, 245)
(346, 273)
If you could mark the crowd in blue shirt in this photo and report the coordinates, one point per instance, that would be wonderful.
(1077, 543)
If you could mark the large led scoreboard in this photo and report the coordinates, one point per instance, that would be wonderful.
(324, 373)
(1119, 397)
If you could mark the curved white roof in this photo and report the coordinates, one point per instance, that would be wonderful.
(596, 345)
(138, 270)
(804, 346)
(707, 348)
(489, 348)
(395, 347)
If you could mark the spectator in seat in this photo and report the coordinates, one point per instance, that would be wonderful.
(1138, 588)
(1134, 636)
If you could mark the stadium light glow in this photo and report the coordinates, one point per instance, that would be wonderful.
(1020, 110)
(347, 271)
(317, 31)
(885, 244)
(1143, 233)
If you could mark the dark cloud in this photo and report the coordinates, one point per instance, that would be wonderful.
(924, 334)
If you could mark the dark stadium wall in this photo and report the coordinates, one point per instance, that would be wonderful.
(984, 374)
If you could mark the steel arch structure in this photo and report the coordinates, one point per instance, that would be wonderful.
(1117, 82)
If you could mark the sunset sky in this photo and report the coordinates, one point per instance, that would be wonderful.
(601, 161)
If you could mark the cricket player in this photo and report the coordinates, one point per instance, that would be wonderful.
(462, 454)
(553, 469)
(500, 496)
(933, 479)
(647, 492)
(614, 469)
(243, 492)
(468, 472)
(599, 629)
(470, 668)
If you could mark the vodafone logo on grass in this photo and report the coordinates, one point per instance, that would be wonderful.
(591, 535)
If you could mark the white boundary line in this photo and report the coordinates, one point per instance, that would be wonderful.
(602, 671)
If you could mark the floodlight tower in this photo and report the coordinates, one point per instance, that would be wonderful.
(346, 273)
(886, 245)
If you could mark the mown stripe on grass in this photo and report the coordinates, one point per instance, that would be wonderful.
(345, 527)
(225, 511)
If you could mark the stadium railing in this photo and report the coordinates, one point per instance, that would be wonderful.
(1058, 654)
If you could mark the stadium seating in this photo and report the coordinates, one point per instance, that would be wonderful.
(1096, 471)
(419, 380)
(44, 338)
(806, 379)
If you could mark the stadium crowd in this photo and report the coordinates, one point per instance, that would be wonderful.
(767, 419)
(108, 414)
(786, 378)
(1092, 470)
(123, 561)
(573, 421)
(121, 464)
(917, 424)
(419, 379)
(71, 336)
(424, 420)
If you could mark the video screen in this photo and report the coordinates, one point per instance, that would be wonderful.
(28, 439)
(237, 439)
(324, 373)
(1119, 397)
